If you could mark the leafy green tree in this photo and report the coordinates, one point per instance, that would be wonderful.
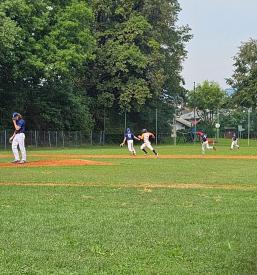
(122, 62)
(163, 16)
(207, 98)
(244, 78)
(139, 55)
(63, 62)
(104, 104)
(48, 46)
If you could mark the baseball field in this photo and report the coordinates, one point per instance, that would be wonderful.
(97, 210)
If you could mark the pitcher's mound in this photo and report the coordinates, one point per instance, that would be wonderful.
(55, 163)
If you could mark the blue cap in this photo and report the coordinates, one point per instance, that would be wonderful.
(128, 130)
(15, 114)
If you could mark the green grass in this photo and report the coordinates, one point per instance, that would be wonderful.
(112, 228)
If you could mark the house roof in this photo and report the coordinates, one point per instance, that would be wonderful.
(183, 121)
(190, 116)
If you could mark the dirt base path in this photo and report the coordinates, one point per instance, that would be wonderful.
(55, 163)
(54, 160)
(56, 156)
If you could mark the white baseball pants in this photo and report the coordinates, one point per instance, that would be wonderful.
(234, 144)
(19, 139)
(131, 146)
(205, 145)
(146, 144)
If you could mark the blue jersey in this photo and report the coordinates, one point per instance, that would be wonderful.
(129, 136)
(21, 124)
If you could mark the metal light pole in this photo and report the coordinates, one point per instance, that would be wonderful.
(249, 124)
(156, 126)
(174, 127)
(218, 121)
(194, 117)
(104, 127)
(125, 121)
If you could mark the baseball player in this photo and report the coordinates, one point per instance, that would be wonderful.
(205, 142)
(234, 142)
(145, 137)
(18, 138)
(129, 137)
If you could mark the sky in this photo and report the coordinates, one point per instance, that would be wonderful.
(219, 27)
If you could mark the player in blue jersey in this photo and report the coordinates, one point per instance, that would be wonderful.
(129, 137)
(18, 138)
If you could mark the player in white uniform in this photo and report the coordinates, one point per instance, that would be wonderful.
(18, 138)
(145, 137)
(129, 137)
(205, 142)
(234, 142)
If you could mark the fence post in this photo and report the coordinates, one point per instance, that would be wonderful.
(103, 137)
(195, 136)
(125, 121)
(174, 130)
(218, 129)
(76, 138)
(249, 126)
(156, 126)
(100, 138)
(35, 135)
(104, 127)
(49, 138)
(80, 138)
(62, 139)
(91, 137)
(5, 139)
(56, 140)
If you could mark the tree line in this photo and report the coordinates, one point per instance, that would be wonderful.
(83, 64)
(64, 64)
(209, 98)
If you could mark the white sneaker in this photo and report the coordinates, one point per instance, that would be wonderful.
(22, 162)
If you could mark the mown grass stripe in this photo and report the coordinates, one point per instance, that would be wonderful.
(141, 185)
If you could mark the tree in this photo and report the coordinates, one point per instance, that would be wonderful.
(163, 16)
(244, 78)
(207, 99)
(139, 53)
(105, 102)
(45, 47)
(123, 57)
(77, 57)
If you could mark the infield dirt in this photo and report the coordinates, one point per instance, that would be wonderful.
(55, 163)
(86, 156)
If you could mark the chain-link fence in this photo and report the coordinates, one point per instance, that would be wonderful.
(243, 122)
(61, 139)
(50, 139)
(64, 139)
